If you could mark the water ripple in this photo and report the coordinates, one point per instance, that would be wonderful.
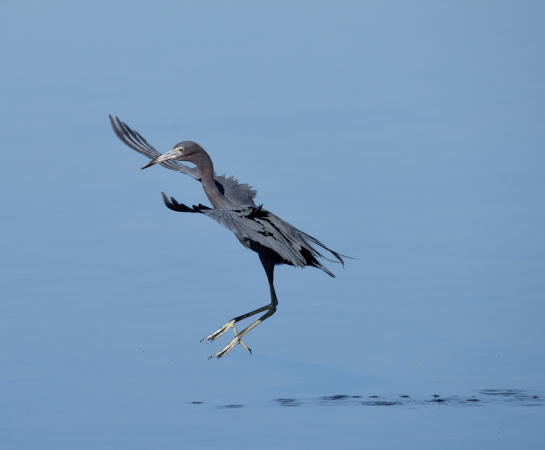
(484, 397)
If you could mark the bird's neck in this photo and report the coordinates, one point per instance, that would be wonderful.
(204, 163)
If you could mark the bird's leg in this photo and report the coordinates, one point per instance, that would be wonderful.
(238, 338)
(271, 309)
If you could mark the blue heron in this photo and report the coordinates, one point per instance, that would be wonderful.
(273, 239)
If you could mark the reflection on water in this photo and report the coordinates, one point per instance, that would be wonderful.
(288, 402)
(380, 403)
(514, 397)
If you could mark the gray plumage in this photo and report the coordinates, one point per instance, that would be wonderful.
(273, 239)
(240, 194)
(257, 225)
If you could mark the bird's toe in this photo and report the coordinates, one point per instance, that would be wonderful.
(216, 334)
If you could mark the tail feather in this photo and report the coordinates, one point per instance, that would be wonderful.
(338, 256)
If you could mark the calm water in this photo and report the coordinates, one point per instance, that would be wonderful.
(409, 136)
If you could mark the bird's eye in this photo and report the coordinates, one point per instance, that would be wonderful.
(180, 150)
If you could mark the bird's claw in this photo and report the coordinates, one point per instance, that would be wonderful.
(244, 346)
(216, 334)
(236, 340)
(240, 341)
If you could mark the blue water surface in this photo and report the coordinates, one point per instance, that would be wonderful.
(408, 135)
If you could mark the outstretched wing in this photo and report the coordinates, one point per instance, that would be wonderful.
(248, 228)
(254, 224)
(261, 226)
(238, 193)
(172, 203)
(294, 235)
(137, 142)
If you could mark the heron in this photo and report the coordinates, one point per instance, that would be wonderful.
(274, 240)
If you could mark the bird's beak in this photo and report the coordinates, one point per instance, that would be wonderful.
(164, 157)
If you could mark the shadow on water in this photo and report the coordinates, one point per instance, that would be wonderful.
(484, 397)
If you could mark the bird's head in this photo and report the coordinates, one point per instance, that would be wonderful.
(182, 151)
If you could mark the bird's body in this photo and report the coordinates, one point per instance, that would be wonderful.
(265, 233)
(273, 239)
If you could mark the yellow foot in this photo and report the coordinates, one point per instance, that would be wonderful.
(240, 341)
(216, 334)
(236, 340)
